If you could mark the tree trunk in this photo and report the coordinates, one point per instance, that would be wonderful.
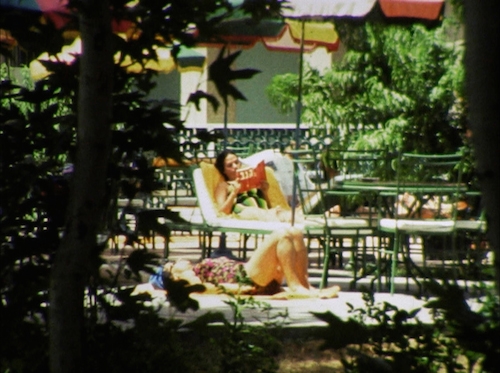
(71, 267)
(483, 90)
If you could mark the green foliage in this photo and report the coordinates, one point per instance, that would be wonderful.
(239, 346)
(147, 342)
(38, 138)
(379, 337)
(399, 87)
(283, 91)
(458, 7)
(135, 337)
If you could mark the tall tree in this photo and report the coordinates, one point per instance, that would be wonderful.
(71, 267)
(483, 92)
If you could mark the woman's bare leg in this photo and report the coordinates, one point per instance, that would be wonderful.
(282, 253)
(291, 257)
(303, 266)
(263, 266)
(302, 259)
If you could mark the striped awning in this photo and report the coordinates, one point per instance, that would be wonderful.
(187, 60)
(324, 9)
(317, 19)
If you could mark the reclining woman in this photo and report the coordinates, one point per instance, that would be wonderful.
(282, 254)
(253, 204)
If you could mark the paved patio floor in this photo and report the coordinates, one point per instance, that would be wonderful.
(299, 311)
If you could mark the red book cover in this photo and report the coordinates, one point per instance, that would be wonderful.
(251, 177)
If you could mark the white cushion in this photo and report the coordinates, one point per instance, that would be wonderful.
(347, 223)
(319, 220)
(241, 224)
(340, 178)
(471, 225)
(423, 226)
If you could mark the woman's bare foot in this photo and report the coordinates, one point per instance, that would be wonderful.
(303, 293)
(329, 293)
(298, 293)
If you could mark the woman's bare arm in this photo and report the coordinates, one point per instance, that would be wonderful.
(226, 200)
(264, 187)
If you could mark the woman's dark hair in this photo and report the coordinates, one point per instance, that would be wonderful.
(219, 161)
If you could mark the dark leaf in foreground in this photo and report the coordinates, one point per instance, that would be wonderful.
(340, 333)
(221, 74)
(198, 95)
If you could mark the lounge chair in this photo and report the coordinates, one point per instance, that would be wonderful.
(206, 177)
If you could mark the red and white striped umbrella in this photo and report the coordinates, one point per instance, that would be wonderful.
(318, 15)
(316, 19)
(324, 9)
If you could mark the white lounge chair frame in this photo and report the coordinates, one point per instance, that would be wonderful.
(206, 177)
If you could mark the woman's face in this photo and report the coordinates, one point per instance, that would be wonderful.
(231, 165)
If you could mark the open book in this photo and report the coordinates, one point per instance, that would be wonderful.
(251, 177)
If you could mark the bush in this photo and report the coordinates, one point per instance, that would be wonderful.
(383, 338)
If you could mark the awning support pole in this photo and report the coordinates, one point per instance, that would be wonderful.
(297, 128)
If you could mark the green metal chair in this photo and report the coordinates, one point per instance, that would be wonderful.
(424, 203)
(241, 151)
(472, 243)
(337, 231)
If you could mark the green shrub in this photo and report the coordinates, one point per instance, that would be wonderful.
(383, 338)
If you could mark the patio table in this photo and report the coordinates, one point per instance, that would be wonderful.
(385, 193)
(384, 189)
(377, 186)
